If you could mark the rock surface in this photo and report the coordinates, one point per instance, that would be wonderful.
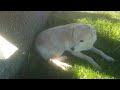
(19, 28)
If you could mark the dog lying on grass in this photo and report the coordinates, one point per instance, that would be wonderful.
(74, 37)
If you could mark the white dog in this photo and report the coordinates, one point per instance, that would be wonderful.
(74, 37)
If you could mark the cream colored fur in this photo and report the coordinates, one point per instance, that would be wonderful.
(74, 37)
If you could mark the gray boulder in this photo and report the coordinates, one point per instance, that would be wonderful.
(19, 28)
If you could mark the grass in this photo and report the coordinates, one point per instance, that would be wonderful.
(88, 73)
(107, 25)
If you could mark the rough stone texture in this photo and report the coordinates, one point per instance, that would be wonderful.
(20, 28)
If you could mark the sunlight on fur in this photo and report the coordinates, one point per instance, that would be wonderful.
(62, 65)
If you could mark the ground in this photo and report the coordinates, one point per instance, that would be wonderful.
(107, 25)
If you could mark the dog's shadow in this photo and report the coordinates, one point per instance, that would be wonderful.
(37, 68)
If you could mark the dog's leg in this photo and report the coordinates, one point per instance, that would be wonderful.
(57, 62)
(89, 59)
(62, 58)
(99, 52)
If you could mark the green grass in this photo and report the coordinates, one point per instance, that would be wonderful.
(107, 25)
(88, 73)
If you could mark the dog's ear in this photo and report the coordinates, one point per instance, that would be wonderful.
(74, 34)
(94, 33)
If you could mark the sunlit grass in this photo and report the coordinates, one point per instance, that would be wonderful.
(104, 27)
(113, 14)
(88, 73)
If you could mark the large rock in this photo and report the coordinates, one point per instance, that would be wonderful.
(19, 28)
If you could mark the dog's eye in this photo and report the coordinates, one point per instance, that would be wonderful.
(81, 40)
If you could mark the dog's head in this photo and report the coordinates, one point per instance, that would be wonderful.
(84, 37)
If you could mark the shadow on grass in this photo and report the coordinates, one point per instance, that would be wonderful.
(37, 68)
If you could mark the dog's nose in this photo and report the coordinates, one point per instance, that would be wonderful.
(81, 40)
(72, 49)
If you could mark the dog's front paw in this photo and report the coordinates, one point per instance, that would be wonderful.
(65, 66)
(110, 59)
(60, 64)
